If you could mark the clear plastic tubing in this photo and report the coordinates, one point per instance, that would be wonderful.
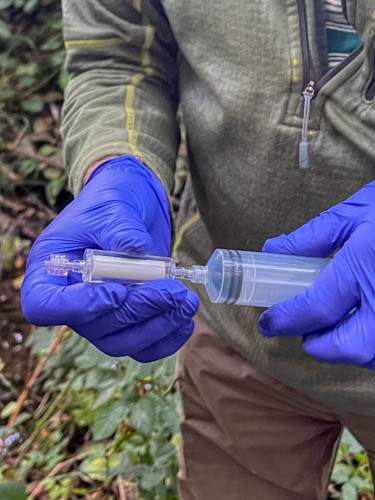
(230, 276)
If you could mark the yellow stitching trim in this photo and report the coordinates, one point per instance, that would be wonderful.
(184, 227)
(149, 38)
(137, 5)
(92, 44)
(133, 84)
(130, 114)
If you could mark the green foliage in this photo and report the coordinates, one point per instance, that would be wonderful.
(32, 81)
(117, 417)
(351, 473)
(12, 490)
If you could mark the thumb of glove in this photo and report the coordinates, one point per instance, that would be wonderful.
(125, 231)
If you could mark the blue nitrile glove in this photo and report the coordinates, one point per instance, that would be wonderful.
(336, 315)
(123, 207)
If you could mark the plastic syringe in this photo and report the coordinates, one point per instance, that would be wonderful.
(230, 276)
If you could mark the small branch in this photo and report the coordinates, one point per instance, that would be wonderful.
(52, 348)
(56, 470)
(47, 161)
(121, 488)
(9, 174)
(127, 490)
(35, 201)
(15, 206)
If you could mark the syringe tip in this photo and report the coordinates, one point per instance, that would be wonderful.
(57, 265)
(60, 265)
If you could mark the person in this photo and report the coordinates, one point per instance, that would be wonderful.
(278, 103)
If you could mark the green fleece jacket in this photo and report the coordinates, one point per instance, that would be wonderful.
(237, 69)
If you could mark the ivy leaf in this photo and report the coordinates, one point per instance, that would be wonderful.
(4, 30)
(12, 490)
(350, 440)
(341, 473)
(349, 492)
(33, 105)
(54, 188)
(95, 468)
(143, 415)
(152, 478)
(108, 419)
(4, 4)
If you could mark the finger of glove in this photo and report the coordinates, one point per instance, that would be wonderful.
(351, 342)
(125, 231)
(47, 305)
(143, 302)
(319, 237)
(166, 347)
(136, 338)
(329, 299)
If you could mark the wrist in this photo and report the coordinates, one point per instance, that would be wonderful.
(95, 166)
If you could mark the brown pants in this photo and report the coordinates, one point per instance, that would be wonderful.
(247, 436)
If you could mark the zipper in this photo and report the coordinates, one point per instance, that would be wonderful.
(345, 8)
(308, 95)
(311, 87)
(306, 58)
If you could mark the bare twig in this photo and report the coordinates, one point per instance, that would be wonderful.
(35, 201)
(127, 490)
(121, 488)
(56, 470)
(50, 161)
(20, 135)
(15, 206)
(9, 174)
(52, 348)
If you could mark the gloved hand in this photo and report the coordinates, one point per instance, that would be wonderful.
(336, 315)
(123, 207)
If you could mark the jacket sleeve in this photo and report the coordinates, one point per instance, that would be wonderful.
(122, 93)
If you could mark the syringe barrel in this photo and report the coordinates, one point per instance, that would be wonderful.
(259, 279)
(130, 268)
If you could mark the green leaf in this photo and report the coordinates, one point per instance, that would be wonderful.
(349, 492)
(341, 473)
(54, 188)
(4, 30)
(12, 490)
(63, 79)
(27, 167)
(152, 478)
(108, 419)
(362, 484)
(4, 4)
(33, 105)
(8, 409)
(30, 6)
(47, 150)
(95, 468)
(142, 415)
(40, 339)
(350, 440)
(30, 69)
(52, 173)
(104, 396)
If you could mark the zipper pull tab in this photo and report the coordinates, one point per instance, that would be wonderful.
(308, 94)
